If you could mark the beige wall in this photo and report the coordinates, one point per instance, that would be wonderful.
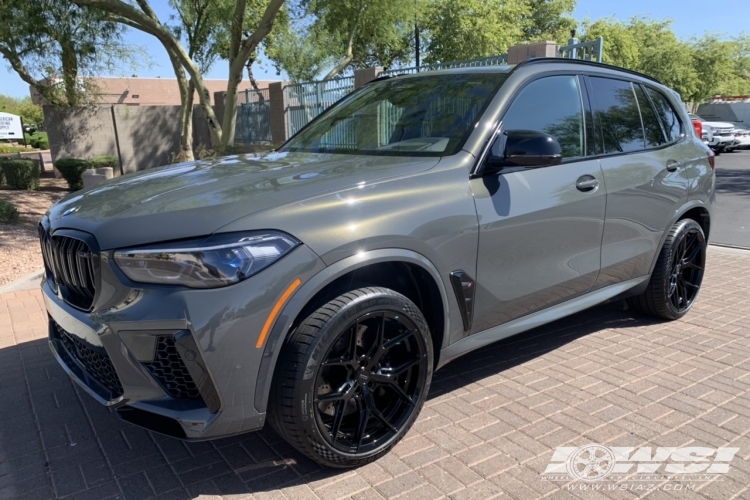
(140, 136)
(149, 91)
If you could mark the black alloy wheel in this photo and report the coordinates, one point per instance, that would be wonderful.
(678, 273)
(368, 385)
(352, 378)
(687, 270)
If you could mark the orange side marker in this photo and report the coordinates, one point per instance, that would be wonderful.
(275, 312)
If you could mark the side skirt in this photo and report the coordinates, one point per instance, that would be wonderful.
(538, 318)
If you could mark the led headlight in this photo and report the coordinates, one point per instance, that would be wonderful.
(212, 262)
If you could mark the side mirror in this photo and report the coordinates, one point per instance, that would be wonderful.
(523, 148)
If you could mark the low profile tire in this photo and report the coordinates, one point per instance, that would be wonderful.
(353, 377)
(678, 273)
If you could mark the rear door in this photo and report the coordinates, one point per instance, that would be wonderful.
(540, 229)
(643, 162)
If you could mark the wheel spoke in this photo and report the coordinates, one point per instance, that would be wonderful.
(338, 362)
(364, 416)
(691, 285)
(398, 339)
(376, 350)
(693, 254)
(692, 266)
(340, 395)
(370, 402)
(394, 385)
(395, 372)
(337, 418)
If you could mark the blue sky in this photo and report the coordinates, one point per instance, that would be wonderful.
(691, 18)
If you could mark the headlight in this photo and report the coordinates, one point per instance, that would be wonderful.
(212, 262)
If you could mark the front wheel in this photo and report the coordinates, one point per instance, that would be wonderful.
(353, 377)
(678, 273)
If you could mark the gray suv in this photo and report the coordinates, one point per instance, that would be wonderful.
(320, 285)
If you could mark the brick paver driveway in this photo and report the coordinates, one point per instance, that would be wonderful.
(489, 429)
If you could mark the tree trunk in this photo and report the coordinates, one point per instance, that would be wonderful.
(146, 22)
(70, 73)
(187, 89)
(186, 129)
(341, 66)
(239, 53)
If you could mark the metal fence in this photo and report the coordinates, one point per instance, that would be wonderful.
(588, 51)
(253, 117)
(307, 100)
(500, 60)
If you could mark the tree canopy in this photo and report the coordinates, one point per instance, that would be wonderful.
(54, 45)
(697, 68)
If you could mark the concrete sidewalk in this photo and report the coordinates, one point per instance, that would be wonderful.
(490, 427)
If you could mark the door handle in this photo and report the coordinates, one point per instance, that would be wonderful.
(672, 165)
(587, 183)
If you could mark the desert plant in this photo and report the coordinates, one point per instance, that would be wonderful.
(8, 213)
(21, 173)
(72, 170)
(104, 161)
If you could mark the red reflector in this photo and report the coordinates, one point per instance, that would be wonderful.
(698, 127)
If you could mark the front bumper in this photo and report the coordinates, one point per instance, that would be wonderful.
(178, 361)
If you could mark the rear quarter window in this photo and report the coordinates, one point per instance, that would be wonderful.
(618, 115)
(667, 115)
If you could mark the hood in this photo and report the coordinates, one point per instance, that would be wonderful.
(196, 198)
(719, 124)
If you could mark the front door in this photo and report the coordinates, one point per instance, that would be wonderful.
(540, 229)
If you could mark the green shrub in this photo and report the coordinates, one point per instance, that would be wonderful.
(72, 170)
(21, 173)
(5, 148)
(42, 140)
(104, 161)
(8, 213)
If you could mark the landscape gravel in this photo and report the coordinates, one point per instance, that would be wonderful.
(20, 254)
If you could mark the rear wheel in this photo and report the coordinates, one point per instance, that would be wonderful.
(353, 377)
(678, 273)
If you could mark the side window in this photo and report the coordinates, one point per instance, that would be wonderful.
(651, 125)
(667, 115)
(618, 116)
(551, 105)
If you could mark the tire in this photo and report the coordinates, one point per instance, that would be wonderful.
(674, 284)
(338, 370)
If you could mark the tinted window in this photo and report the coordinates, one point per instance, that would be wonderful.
(551, 105)
(618, 116)
(429, 115)
(666, 113)
(651, 125)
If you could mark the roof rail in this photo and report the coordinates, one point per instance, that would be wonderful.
(541, 60)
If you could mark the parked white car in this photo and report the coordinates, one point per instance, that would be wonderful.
(723, 134)
(742, 136)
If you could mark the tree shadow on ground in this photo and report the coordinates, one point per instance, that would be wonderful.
(56, 441)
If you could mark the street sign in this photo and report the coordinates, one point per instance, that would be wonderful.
(11, 127)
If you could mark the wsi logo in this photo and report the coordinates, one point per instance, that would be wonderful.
(596, 462)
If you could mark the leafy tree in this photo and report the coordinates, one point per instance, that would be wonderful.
(465, 29)
(241, 44)
(721, 66)
(30, 113)
(647, 46)
(549, 20)
(302, 52)
(54, 45)
(363, 32)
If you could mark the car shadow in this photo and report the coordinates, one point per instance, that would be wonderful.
(734, 180)
(55, 440)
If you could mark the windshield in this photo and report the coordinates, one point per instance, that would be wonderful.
(421, 116)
